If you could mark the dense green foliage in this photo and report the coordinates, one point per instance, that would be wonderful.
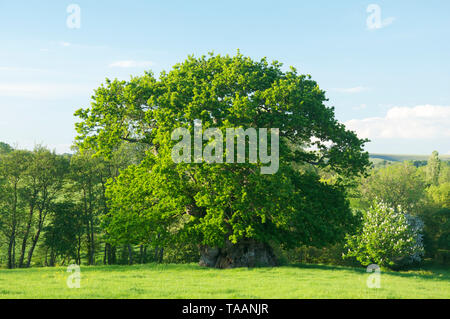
(75, 224)
(52, 207)
(395, 185)
(210, 204)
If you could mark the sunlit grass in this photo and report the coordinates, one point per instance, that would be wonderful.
(192, 281)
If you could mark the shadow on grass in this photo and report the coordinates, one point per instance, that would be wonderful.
(426, 271)
(431, 272)
(137, 267)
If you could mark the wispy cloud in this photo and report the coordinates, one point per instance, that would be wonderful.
(44, 90)
(131, 64)
(418, 122)
(352, 90)
(72, 45)
(359, 107)
(21, 69)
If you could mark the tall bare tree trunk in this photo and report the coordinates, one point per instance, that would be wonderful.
(12, 237)
(25, 237)
(105, 254)
(161, 254)
(78, 257)
(33, 246)
(12, 248)
(130, 255)
(41, 221)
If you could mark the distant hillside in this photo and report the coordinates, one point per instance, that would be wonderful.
(402, 158)
(382, 160)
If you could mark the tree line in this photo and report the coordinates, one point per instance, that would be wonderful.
(120, 198)
(404, 217)
(54, 210)
(52, 207)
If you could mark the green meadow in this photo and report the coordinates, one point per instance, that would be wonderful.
(194, 282)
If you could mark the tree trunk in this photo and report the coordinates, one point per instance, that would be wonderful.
(46, 257)
(247, 253)
(52, 258)
(12, 237)
(141, 254)
(33, 246)
(155, 258)
(41, 222)
(78, 257)
(105, 252)
(25, 237)
(11, 249)
(113, 259)
(145, 254)
(90, 243)
(130, 255)
(161, 254)
(92, 236)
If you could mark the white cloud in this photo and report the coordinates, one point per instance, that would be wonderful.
(61, 148)
(131, 64)
(418, 122)
(65, 44)
(356, 89)
(360, 107)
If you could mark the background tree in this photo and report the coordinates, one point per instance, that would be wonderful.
(389, 237)
(436, 216)
(43, 180)
(13, 166)
(395, 185)
(86, 177)
(62, 232)
(433, 168)
(5, 148)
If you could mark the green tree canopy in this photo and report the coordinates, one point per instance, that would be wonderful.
(396, 185)
(223, 204)
(433, 168)
(5, 148)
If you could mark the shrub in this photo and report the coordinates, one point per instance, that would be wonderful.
(388, 237)
(328, 255)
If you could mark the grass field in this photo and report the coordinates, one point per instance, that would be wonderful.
(192, 281)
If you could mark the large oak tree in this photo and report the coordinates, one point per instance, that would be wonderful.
(232, 211)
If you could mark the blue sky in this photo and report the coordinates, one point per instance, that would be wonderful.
(390, 83)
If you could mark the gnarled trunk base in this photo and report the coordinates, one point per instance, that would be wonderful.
(248, 253)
